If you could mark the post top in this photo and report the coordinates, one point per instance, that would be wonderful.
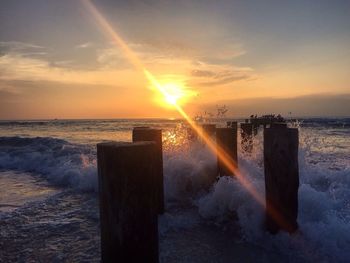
(278, 125)
(246, 124)
(146, 128)
(225, 128)
(113, 144)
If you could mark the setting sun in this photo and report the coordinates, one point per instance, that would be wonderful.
(172, 93)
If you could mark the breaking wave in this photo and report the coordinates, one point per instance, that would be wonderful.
(190, 178)
(60, 162)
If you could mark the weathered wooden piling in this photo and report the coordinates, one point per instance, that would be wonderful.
(246, 137)
(209, 130)
(281, 177)
(255, 126)
(155, 135)
(278, 125)
(226, 140)
(127, 175)
(232, 124)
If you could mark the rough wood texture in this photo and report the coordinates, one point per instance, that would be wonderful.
(226, 139)
(128, 203)
(281, 177)
(209, 129)
(155, 135)
(246, 137)
(278, 125)
(232, 124)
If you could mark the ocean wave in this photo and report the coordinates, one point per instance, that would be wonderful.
(190, 177)
(323, 216)
(60, 162)
(326, 122)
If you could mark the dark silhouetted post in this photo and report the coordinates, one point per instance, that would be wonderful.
(278, 125)
(209, 130)
(226, 139)
(246, 137)
(232, 124)
(281, 177)
(155, 135)
(255, 124)
(128, 203)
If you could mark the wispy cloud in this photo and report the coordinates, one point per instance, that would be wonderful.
(208, 75)
(85, 45)
(20, 61)
(16, 45)
(18, 67)
(200, 68)
(317, 104)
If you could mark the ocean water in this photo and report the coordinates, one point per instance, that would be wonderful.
(49, 207)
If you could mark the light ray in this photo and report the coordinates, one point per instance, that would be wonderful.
(222, 155)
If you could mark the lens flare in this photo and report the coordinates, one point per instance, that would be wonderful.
(171, 98)
(174, 93)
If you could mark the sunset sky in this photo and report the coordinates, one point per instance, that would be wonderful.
(253, 56)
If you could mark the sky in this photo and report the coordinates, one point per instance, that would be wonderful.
(255, 57)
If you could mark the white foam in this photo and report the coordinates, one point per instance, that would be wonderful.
(60, 162)
(324, 208)
(189, 173)
(189, 176)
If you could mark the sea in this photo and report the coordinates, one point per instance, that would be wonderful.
(49, 201)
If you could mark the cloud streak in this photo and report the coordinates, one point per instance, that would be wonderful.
(318, 104)
(20, 62)
(207, 75)
(85, 45)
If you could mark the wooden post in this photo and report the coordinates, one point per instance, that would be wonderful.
(209, 130)
(128, 203)
(246, 136)
(255, 124)
(281, 177)
(155, 135)
(278, 125)
(232, 124)
(226, 140)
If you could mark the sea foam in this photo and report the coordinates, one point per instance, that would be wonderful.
(60, 162)
(190, 177)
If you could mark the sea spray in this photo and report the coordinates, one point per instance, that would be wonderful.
(324, 217)
(188, 174)
(60, 162)
(190, 178)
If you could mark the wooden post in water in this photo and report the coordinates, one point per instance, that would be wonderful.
(226, 140)
(128, 202)
(281, 177)
(246, 137)
(209, 130)
(278, 125)
(155, 135)
(256, 125)
(232, 124)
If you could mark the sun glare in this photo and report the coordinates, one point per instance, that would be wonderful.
(173, 93)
